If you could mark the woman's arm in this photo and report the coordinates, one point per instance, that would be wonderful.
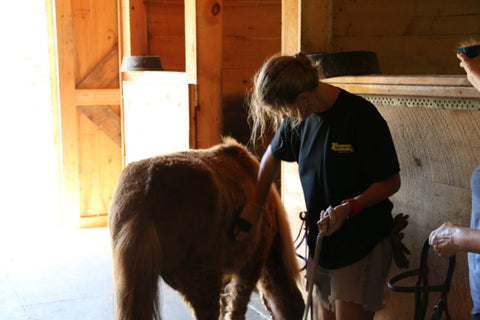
(450, 238)
(472, 68)
(374, 194)
(266, 174)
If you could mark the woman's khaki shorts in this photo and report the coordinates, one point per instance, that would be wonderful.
(362, 282)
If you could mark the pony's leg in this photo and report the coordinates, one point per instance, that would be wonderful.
(200, 288)
(280, 290)
(239, 291)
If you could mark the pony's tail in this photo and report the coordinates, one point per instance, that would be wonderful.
(279, 283)
(136, 267)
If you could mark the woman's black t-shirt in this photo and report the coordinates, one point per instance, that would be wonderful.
(340, 153)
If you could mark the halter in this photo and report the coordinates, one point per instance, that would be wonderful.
(422, 288)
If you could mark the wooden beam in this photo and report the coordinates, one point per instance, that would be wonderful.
(426, 86)
(91, 97)
(99, 221)
(133, 28)
(68, 114)
(306, 26)
(291, 26)
(316, 24)
(204, 56)
(105, 119)
(102, 76)
(50, 11)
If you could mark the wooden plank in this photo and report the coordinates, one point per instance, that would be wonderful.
(68, 120)
(138, 28)
(100, 221)
(426, 80)
(316, 25)
(56, 120)
(105, 119)
(166, 18)
(424, 91)
(238, 81)
(192, 106)
(204, 51)
(447, 8)
(405, 25)
(248, 53)
(419, 54)
(291, 33)
(252, 19)
(95, 34)
(133, 28)
(99, 166)
(171, 51)
(166, 29)
(89, 97)
(105, 74)
(407, 86)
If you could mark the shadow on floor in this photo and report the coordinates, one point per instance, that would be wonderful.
(65, 274)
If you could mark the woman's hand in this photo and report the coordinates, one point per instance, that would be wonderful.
(333, 219)
(444, 239)
(248, 217)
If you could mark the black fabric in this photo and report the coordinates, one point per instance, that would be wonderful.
(340, 153)
(476, 316)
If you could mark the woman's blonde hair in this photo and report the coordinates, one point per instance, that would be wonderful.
(275, 87)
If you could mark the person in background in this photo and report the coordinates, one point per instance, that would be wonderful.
(348, 169)
(449, 238)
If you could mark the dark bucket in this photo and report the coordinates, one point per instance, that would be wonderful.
(346, 63)
(141, 63)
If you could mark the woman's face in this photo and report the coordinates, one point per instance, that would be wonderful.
(303, 106)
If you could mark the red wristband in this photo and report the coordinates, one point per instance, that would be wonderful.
(354, 204)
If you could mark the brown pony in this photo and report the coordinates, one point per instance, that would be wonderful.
(169, 218)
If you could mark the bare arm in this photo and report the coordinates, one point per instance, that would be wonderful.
(449, 238)
(253, 209)
(374, 194)
(268, 169)
(472, 68)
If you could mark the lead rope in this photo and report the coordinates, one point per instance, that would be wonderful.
(301, 239)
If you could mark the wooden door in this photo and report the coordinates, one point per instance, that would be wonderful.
(85, 81)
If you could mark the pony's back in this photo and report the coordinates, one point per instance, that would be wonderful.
(169, 217)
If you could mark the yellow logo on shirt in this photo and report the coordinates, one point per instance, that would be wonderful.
(342, 148)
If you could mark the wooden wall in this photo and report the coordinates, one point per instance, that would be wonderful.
(409, 36)
(166, 32)
(251, 33)
(437, 155)
(437, 161)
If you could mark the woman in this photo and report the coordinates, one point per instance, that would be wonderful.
(347, 164)
(449, 238)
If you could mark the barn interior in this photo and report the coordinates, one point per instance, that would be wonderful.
(104, 114)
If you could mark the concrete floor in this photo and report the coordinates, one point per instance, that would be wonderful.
(61, 274)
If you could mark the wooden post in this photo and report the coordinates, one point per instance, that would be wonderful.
(68, 124)
(133, 21)
(306, 26)
(291, 26)
(204, 55)
(316, 20)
